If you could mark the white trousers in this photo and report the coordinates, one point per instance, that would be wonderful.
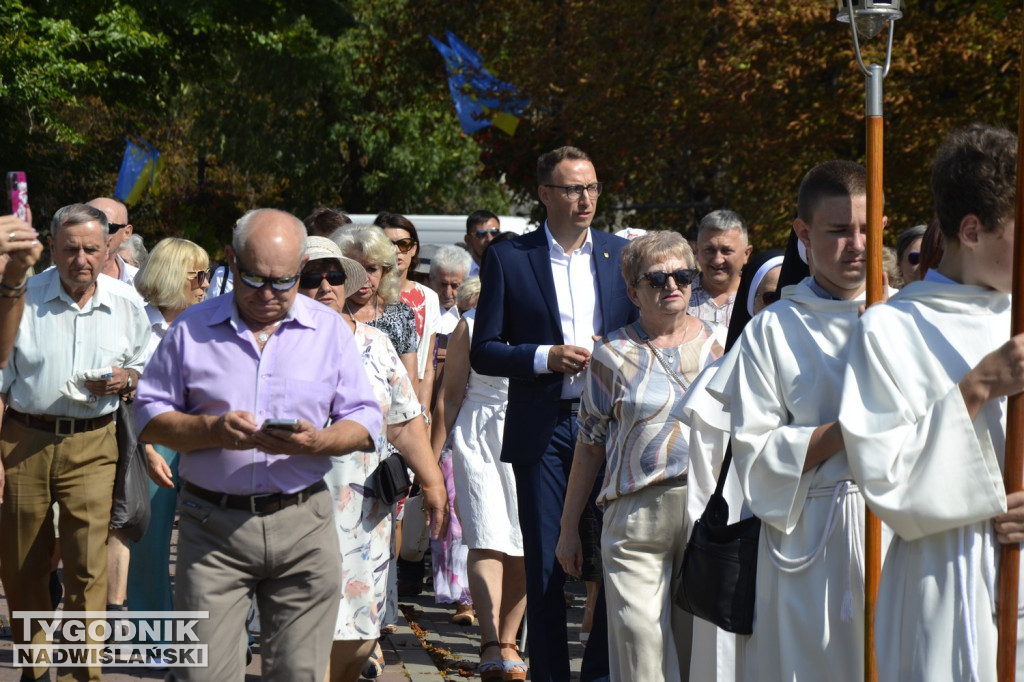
(642, 548)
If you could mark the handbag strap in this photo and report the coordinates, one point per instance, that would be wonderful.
(716, 513)
(720, 486)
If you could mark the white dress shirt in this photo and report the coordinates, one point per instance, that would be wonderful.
(576, 293)
(56, 340)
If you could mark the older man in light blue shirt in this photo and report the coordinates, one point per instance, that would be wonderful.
(256, 517)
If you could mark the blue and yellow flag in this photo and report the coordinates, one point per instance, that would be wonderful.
(139, 169)
(481, 99)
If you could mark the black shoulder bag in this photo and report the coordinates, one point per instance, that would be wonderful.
(719, 570)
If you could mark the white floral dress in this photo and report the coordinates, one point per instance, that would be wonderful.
(364, 524)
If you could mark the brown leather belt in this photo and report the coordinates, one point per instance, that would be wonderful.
(256, 504)
(59, 426)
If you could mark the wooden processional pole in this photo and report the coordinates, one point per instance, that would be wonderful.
(873, 526)
(875, 128)
(1013, 466)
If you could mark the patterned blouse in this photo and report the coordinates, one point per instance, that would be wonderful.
(398, 321)
(632, 405)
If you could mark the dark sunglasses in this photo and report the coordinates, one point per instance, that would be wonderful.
(200, 276)
(404, 245)
(312, 280)
(769, 297)
(494, 232)
(658, 280)
(114, 227)
(914, 257)
(255, 281)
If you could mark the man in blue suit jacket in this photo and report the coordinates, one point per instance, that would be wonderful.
(544, 297)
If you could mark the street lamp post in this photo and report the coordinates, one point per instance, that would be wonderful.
(867, 18)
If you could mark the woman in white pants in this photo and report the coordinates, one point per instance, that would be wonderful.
(630, 424)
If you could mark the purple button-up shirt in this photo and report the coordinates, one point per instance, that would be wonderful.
(209, 363)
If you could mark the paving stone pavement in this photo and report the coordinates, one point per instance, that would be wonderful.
(448, 651)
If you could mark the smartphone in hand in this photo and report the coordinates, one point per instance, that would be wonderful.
(281, 424)
(17, 187)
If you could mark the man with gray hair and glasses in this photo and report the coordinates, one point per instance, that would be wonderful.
(81, 344)
(722, 251)
(258, 389)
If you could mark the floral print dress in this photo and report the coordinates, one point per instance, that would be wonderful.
(365, 524)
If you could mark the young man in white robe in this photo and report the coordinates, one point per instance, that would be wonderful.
(788, 450)
(923, 419)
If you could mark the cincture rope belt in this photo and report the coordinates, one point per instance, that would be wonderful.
(788, 565)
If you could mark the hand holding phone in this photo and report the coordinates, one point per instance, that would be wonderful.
(17, 186)
(281, 424)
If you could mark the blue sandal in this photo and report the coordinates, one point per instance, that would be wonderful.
(491, 671)
(513, 671)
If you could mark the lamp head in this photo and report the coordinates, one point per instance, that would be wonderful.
(869, 16)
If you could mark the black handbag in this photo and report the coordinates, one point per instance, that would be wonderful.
(719, 570)
(130, 511)
(391, 480)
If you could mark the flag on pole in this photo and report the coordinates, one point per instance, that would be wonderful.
(481, 99)
(139, 168)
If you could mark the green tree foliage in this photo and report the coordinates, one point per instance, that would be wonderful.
(345, 103)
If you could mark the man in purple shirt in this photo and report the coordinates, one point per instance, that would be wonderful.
(255, 513)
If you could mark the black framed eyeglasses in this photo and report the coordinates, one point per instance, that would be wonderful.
(914, 257)
(404, 245)
(114, 227)
(312, 280)
(659, 280)
(254, 281)
(494, 232)
(200, 276)
(574, 192)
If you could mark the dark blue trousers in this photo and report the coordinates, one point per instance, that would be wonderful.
(541, 490)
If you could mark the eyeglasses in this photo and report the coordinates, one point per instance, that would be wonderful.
(114, 227)
(404, 245)
(200, 276)
(574, 192)
(769, 297)
(658, 280)
(312, 280)
(914, 257)
(255, 281)
(494, 232)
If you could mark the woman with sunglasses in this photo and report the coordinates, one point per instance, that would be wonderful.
(630, 423)
(421, 299)
(173, 278)
(908, 253)
(364, 524)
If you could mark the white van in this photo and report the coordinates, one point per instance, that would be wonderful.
(442, 230)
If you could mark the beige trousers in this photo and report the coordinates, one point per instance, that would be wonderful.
(76, 472)
(642, 550)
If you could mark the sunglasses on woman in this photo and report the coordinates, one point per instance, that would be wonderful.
(404, 245)
(658, 280)
(200, 276)
(914, 257)
(312, 280)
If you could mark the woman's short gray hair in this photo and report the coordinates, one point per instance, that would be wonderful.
(651, 248)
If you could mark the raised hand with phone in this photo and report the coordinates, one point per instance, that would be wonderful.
(20, 249)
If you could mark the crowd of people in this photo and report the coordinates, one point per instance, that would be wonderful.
(565, 401)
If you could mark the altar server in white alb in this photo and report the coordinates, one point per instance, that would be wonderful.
(923, 418)
(788, 450)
